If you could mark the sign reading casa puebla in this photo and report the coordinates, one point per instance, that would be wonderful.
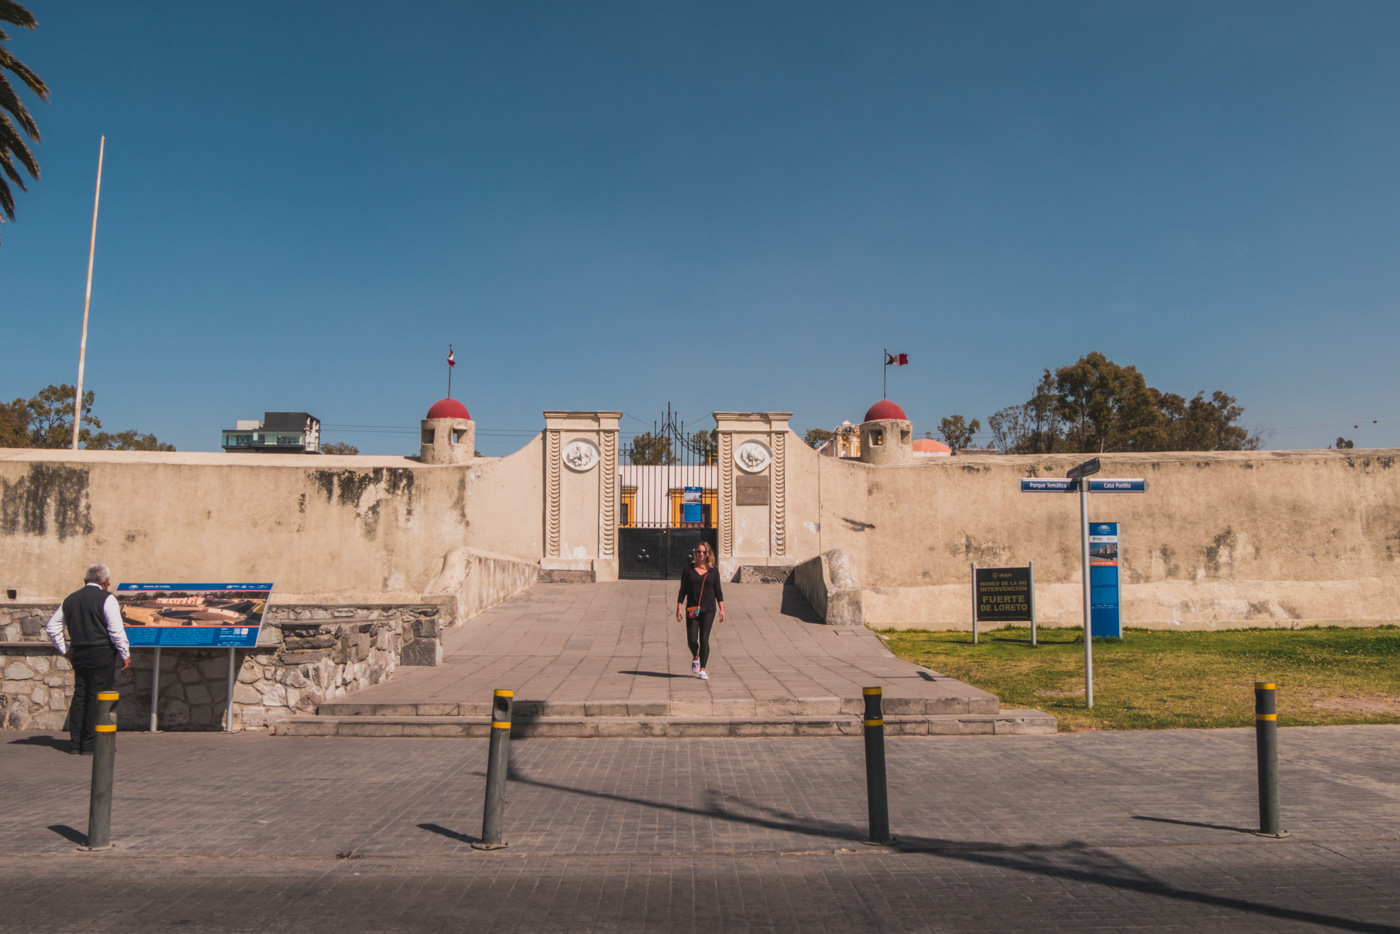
(207, 615)
(580, 455)
(752, 456)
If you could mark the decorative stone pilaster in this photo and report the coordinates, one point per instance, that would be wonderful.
(552, 470)
(581, 491)
(608, 521)
(753, 521)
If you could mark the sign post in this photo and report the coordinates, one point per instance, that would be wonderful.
(1079, 479)
(1081, 474)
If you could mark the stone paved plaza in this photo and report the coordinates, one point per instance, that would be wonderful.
(1108, 831)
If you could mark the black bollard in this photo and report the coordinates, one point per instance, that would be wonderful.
(497, 769)
(1266, 743)
(104, 755)
(875, 768)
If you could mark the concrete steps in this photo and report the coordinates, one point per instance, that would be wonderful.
(1006, 722)
(906, 716)
(608, 659)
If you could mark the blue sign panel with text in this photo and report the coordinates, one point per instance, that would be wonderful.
(193, 615)
(1105, 618)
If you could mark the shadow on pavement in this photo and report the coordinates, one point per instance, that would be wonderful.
(449, 834)
(1193, 823)
(69, 834)
(1073, 861)
(796, 606)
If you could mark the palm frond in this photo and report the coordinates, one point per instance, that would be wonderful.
(12, 12)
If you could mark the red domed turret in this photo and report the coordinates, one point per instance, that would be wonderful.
(885, 409)
(448, 408)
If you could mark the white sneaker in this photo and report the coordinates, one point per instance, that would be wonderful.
(695, 666)
(704, 675)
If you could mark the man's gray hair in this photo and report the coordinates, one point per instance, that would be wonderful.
(97, 574)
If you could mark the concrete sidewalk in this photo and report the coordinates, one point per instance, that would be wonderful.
(1097, 831)
(610, 659)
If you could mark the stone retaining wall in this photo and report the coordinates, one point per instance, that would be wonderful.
(306, 655)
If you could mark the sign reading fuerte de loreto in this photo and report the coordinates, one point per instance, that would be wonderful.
(1004, 595)
(193, 615)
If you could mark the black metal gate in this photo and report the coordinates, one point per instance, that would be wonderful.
(669, 491)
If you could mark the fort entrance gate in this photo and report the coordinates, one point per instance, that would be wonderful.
(615, 505)
(668, 499)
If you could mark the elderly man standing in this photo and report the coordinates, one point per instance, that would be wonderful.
(96, 639)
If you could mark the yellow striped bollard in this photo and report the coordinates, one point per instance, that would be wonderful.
(104, 755)
(1266, 743)
(497, 769)
(875, 795)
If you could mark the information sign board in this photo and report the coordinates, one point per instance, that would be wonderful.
(1004, 595)
(193, 615)
(1105, 617)
(691, 506)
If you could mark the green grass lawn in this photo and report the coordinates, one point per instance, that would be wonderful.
(1153, 679)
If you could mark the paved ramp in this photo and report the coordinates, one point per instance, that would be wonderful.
(610, 660)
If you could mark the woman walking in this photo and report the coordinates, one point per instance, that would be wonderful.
(700, 595)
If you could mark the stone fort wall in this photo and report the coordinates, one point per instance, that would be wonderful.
(1260, 538)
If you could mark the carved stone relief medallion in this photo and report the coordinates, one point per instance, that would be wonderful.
(580, 455)
(752, 456)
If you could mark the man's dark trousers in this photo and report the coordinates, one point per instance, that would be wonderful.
(94, 670)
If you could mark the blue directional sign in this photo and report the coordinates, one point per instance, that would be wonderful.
(1048, 485)
(1096, 485)
(1105, 485)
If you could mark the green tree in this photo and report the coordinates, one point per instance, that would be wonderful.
(15, 121)
(1343, 444)
(650, 450)
(14, 424)
(127, 440)
(339, 447)
(957, 432)
(1094, 405)
(706, 445)
(46, 421)
(1107, 407)
(51, 417)
(816, 437)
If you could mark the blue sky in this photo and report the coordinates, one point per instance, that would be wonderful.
(729, 206)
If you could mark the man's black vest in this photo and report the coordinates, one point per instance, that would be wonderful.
(82, 613)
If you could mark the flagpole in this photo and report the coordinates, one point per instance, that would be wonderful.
(885, 376)
(87, 299)
(449, 371)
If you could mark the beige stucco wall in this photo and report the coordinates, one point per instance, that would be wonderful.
(1267, 538)
(1250, 538)
(322, 529)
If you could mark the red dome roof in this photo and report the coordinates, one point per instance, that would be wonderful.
(885, 409)
(449, 408)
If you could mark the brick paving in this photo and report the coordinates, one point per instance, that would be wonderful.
(610, 659)
(1095, 831)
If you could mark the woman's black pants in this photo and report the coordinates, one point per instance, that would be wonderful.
(697, 635)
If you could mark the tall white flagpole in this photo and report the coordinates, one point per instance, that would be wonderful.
(87, 299)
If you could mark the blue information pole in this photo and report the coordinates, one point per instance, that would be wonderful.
(1105, 618)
